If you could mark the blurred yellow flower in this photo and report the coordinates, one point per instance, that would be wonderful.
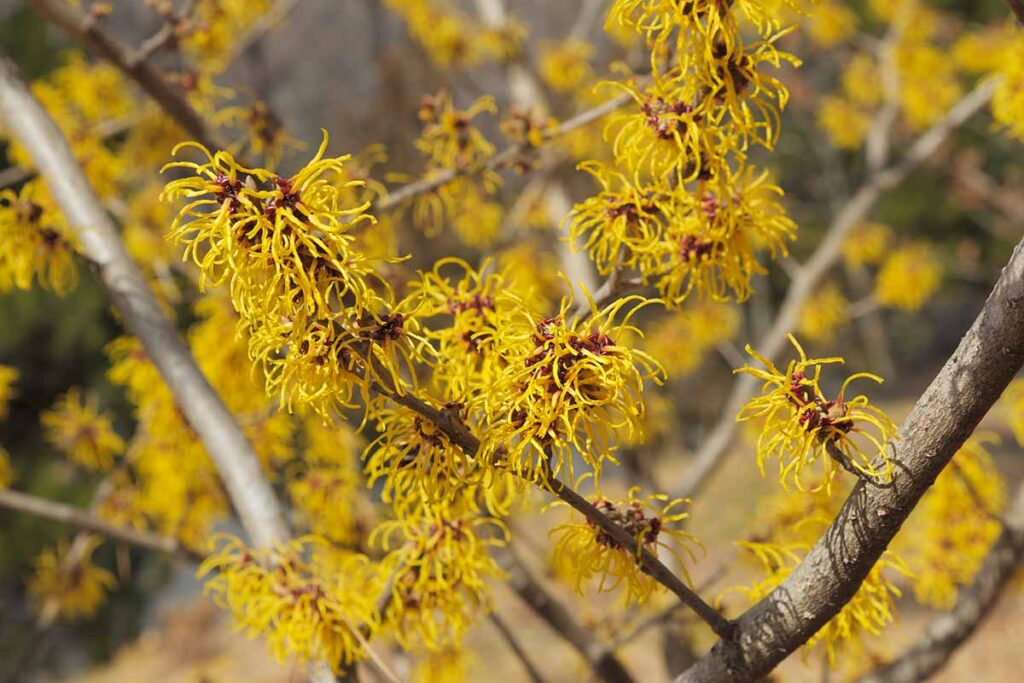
(77, 428)
(867, 244)
(67, 577)
(824, 313)
(908, 277)
(950, 532)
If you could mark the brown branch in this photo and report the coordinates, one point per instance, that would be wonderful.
(233, 456)
(708, 457)
(988, 357)
(166, 35)
(650, 563)
(949, 631)
(85, 30)
(81, 519)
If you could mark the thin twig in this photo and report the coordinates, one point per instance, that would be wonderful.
(503, 158)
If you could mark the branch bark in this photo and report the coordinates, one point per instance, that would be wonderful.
(975, 602)
(973, 378)
(236, 462)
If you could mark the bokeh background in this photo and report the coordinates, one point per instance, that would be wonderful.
(350, 66)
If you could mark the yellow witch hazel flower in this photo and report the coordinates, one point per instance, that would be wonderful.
(320, 320)
(908, 277)
(416, 460)
(76, 426)
(67, 578)
(439, 558)
(567, 386)
(714, 245)
(824, 314)
(449, 139)
(306, 602)
(471, 314)
(585, 551)
(800, 425)
(950, 532)
(565, 66)
(37, 243)
(622, 225)
(867, 244)
(1008, 101)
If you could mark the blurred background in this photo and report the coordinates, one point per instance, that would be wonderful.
(351, 67)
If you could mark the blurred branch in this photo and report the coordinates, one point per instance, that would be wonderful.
(166, 35)
(261, 27)
(975, 601)
(879, 137)
(76, 517)
(510, 639)
(85, 29)
(601, 659)
(945, 415)
(236, 462)
(590, 14)
(1018, 10)
(814, 269)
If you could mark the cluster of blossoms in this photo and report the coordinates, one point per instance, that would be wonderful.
(584, 550)
(67, 582)
(799, 425)
(320, 321)
(680, 203)
(539, 387)
(304, 598)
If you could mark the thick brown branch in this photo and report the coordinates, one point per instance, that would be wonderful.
(81, 519)
(236, 462)
(84, 29)
(988, 357)
(813, 271)
(974, 602)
